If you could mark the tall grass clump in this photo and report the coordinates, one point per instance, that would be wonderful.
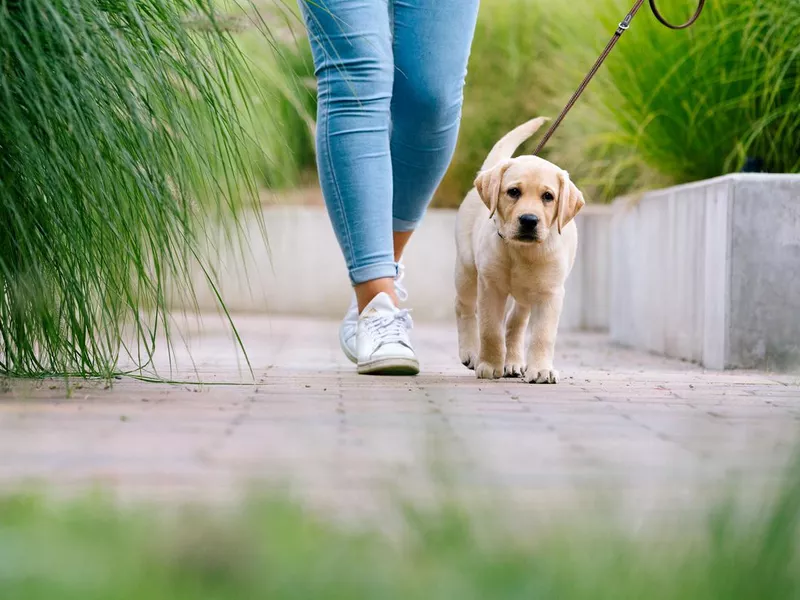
(106, 177)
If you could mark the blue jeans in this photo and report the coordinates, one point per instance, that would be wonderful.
(390, 79)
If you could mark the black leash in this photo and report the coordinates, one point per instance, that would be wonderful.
(623, 27)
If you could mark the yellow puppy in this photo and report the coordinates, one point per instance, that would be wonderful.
(515, 237)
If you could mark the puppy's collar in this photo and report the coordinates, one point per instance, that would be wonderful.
(500, 235)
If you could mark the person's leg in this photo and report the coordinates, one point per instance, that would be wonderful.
(351, 45)
(399, 240)
(432, 40)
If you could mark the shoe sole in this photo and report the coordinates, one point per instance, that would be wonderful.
(390, 366)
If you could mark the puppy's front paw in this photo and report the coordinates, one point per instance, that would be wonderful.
(513, 370)
(487, 371)
(468, 358)
(541, 376)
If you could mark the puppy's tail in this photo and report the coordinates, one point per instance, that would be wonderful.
(506, 147)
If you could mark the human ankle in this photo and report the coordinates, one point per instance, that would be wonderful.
(400, 240)
(366, 291)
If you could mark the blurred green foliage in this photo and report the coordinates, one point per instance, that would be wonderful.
(270, 548)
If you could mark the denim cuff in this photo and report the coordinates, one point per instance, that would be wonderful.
(401, 225)
(376, 271)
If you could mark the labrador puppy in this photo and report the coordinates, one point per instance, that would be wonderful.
(515, 238)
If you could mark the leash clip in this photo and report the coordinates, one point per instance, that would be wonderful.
(625, 25)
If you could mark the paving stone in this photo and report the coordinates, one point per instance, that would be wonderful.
(304, 420)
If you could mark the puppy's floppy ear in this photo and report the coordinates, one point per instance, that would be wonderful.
(570, 201)
(488, 184)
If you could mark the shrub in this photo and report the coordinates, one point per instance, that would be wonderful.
(283, 105)
(667, 107)
(689, 105)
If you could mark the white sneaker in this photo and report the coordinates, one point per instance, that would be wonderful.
(349, 326)
(382, 342)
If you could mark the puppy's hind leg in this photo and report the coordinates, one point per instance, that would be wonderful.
(466, 318)
(515, 340)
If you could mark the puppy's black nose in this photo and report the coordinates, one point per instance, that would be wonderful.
(528, 221)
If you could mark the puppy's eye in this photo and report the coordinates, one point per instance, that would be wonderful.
(548, 197)
(514, 192)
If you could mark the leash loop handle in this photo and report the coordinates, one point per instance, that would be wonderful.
(700, 5)
(622, 28)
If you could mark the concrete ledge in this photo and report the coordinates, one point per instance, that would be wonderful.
(301, 271)
(710, 272)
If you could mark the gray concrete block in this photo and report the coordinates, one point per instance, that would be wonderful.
(710, 272)
(764, 321)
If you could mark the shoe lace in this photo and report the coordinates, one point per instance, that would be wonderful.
(391, 328)
(399, 288)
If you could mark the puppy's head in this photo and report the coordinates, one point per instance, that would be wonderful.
(528, 196)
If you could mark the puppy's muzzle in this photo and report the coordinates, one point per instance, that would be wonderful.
(526, 230)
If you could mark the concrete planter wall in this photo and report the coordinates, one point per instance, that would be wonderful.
(710, 272)
(301, 271)
(588, 301)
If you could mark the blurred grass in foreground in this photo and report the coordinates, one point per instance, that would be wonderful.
(272, 549)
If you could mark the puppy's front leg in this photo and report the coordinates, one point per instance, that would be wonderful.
(544, 327)
(491, 310)
(515, 340)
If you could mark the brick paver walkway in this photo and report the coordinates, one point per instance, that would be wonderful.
(620, 419)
